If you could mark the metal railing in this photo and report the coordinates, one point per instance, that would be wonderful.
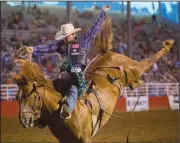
(153, 89)
(9, 91)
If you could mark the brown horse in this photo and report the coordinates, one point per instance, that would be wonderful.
(108, 73)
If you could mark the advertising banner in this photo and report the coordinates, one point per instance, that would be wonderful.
(173, 101)
(142, 104)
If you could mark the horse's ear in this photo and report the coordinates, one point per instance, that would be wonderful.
(20, 79)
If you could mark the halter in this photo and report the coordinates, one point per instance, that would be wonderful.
(37, 98)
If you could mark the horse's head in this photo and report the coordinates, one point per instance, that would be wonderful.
(30, 102)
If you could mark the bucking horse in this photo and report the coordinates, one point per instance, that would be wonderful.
(106, 75)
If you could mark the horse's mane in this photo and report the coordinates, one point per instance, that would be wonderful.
(33, 72)
(103, 40)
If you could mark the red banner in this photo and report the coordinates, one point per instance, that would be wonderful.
(11, 108)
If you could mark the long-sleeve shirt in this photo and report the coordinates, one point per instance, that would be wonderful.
(84, 41)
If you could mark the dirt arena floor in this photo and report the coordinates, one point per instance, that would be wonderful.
(151, 126)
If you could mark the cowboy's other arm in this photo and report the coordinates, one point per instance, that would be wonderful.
(90, 35)
(45, 48)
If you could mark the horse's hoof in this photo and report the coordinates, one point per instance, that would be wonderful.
(136, 84)
(140, 81)
(167, 45)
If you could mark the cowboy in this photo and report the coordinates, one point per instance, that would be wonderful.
(73, 51)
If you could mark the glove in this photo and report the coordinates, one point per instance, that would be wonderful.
(25, 52)
(107, 8)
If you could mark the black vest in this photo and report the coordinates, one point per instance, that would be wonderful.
(73, 52)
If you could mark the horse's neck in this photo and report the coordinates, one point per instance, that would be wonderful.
(50, 99)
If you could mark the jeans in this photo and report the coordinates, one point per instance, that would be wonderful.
(72, 97)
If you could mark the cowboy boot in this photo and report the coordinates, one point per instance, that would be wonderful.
(70, 103)
(65, 112)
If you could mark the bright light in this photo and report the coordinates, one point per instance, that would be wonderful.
(14, 3)
(168, 6)
(147, 5)
(51, 3)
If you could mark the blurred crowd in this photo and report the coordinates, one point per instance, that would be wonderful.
(147, 40)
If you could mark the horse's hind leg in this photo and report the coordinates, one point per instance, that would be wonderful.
(146, 64)
(139, 68)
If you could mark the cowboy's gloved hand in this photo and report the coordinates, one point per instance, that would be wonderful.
(25, 53)
(108, 7)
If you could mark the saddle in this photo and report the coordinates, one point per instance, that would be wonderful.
(124, 72)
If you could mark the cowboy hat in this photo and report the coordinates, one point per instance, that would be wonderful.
(66, 29)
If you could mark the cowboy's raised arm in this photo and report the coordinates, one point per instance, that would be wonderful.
(45, 48)
(91, 34)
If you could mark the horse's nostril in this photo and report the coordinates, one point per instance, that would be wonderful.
(31, 122)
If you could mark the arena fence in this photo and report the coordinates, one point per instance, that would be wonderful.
(9, 91)
(153, 96)
(153, 89)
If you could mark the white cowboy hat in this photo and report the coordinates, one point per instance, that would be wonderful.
(66, 29)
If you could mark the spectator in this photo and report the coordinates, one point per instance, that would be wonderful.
(143, 44)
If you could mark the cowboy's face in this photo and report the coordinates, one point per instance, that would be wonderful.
(70, 37)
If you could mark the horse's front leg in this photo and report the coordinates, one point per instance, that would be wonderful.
(83, 120)
(86, 139)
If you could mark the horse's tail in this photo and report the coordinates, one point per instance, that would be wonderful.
(103, 40)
